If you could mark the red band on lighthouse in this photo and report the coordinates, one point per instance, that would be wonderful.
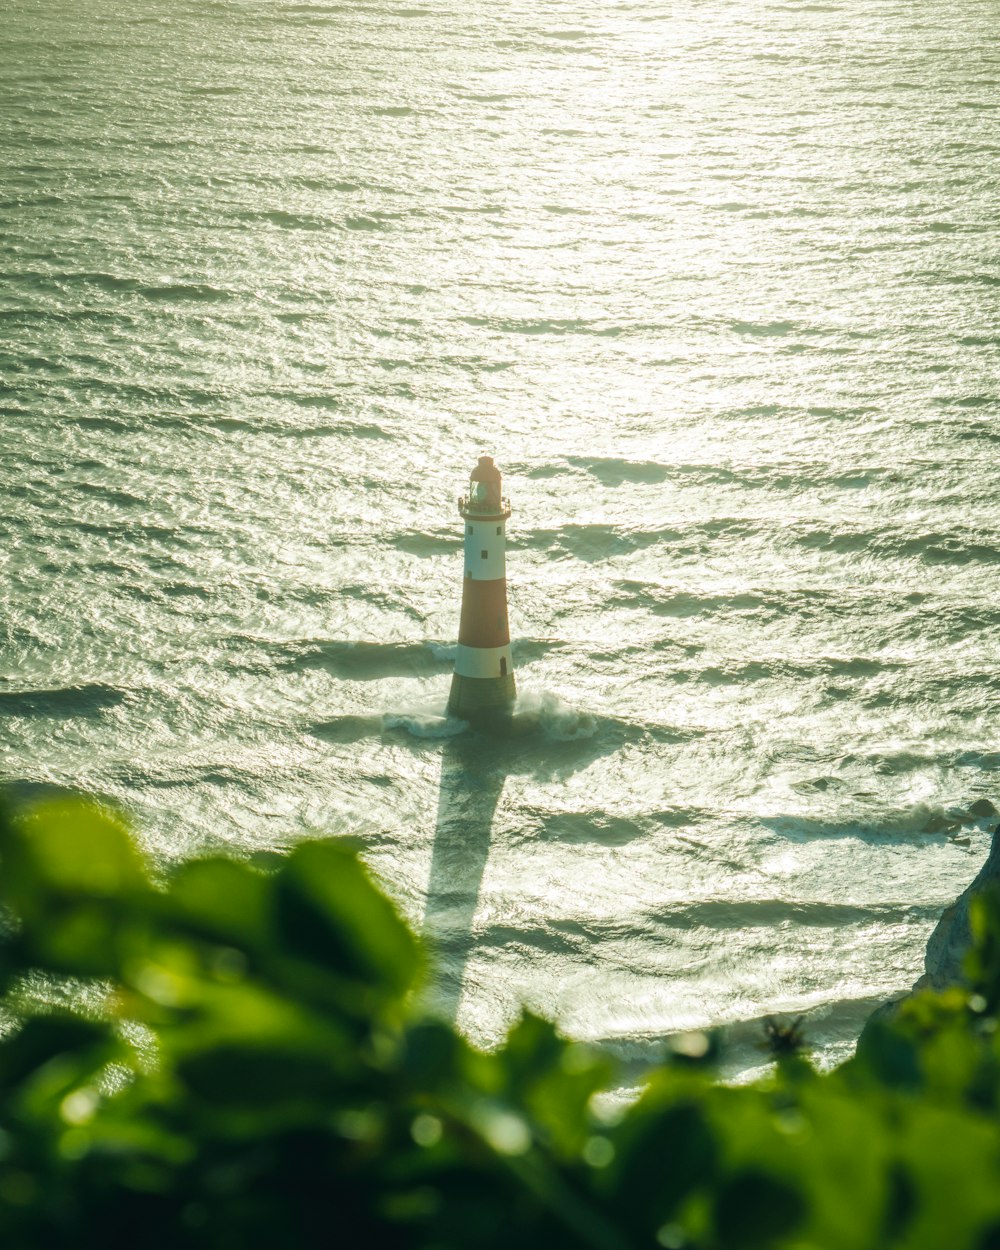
(484, 616)
(484, 674)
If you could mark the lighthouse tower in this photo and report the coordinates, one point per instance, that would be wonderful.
(483, 684)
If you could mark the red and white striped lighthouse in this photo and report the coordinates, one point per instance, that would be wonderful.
(483, 683)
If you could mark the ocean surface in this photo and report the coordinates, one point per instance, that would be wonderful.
(719, 286)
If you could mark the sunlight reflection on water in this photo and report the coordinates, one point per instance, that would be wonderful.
(719, 288)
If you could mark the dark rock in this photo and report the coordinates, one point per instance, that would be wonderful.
(947, 945)
(981, 808)
(944, 957)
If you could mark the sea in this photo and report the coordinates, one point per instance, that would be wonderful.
(716, 283)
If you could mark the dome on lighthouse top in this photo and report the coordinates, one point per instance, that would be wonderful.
(484, 498)
(486, 471)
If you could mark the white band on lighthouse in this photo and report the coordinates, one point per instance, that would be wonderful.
(485, 542)
(483, 661)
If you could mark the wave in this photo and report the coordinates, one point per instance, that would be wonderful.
(110, 494)
(422, 725)
(425, 543)
(988, 761)
(771, 913)
(185, 536)
(364, 661)
(347, 728)
(593, 543)
(306, 399)
(955, 546)
(978, 433)
(292, 221)
(917, 819)
(720, 915)
(86, 700)
(614, 471)
(364, 224)
(783, 669)
(950, 548)
(210, 89)
(559, 326)
(557, 720)
(271, 427)
(664, 601)
(599, 827)
(603, 828)
(427, 726)
(117, 284)
(765, 329)
(546, 715)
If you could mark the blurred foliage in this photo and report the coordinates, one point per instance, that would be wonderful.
(238, 1059)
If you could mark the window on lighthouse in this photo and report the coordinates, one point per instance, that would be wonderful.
(484, 553)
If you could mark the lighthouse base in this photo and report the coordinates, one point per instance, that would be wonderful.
(481, 698)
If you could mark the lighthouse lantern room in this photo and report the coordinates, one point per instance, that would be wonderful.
(483, 684)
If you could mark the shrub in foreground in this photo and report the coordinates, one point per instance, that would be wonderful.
(236, 1059)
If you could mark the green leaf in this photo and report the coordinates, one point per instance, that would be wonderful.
(664, 1154)
(952, 1157)
(889, 1056)
(260, 1075)
(328, 912)
(835, 1143)
(44, 1038)
(753, 1209)
(555, 1080)
(71, 876)
(71, 848)
(222, 900)
(432, 1055)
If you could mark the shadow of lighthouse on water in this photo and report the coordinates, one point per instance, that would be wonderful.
(543, 741)
(472, 780)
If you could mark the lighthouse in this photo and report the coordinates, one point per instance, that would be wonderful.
(483, 684)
